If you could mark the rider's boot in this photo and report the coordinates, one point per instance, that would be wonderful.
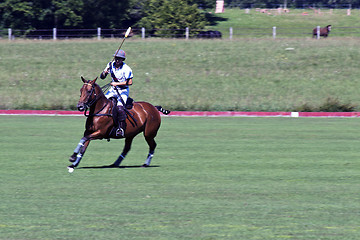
(119, 121)
(120, 132)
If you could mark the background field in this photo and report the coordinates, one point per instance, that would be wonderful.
(245, 74)
(242, 75)
(289, 25)
(216, 178)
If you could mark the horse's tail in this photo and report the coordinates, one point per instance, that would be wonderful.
(164, 111)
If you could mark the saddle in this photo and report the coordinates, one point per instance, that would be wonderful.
(128, 105)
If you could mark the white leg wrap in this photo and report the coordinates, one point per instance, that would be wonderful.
(148, 160)
(78, 159)
(79, 146)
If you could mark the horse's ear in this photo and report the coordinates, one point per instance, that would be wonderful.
(93, 81)
(83, 79)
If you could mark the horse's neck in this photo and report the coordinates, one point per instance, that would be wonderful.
(100, 103)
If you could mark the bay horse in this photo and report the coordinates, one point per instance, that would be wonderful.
(142, 117)
(323, 31)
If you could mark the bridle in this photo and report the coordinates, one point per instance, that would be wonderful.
(90, 101)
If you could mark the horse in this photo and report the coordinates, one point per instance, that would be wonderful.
(142, 117)
(209, 34)
(323, 31)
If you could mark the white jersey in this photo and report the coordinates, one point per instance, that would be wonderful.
(121, 74)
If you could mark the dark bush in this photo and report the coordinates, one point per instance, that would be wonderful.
(334, 105)
(330, 105)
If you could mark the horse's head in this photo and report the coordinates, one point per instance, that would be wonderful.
(88, 94)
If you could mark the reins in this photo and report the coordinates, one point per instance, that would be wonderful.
(97, 113)
(105, 87)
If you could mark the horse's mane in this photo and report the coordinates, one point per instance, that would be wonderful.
(101, 90)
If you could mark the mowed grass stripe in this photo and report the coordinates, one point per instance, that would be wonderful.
(213, 178)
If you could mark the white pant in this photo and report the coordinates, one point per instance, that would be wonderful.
(124, 93)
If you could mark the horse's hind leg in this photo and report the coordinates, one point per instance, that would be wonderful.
(127, 147)
(152, 145)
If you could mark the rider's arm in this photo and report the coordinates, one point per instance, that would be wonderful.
(128, 83)
(104, 74)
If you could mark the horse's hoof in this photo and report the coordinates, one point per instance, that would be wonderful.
(145, 165)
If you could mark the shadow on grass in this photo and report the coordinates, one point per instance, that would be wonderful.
(110, 166)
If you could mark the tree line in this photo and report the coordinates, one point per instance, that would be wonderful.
(115, 14)
(89, 14)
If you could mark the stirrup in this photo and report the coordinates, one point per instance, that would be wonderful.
(119, 132)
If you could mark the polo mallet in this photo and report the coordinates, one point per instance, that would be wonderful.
(126, 34)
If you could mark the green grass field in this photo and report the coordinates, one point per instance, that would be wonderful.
(289, 25)
(212, 178)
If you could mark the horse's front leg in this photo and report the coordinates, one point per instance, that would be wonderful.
(79, 152)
